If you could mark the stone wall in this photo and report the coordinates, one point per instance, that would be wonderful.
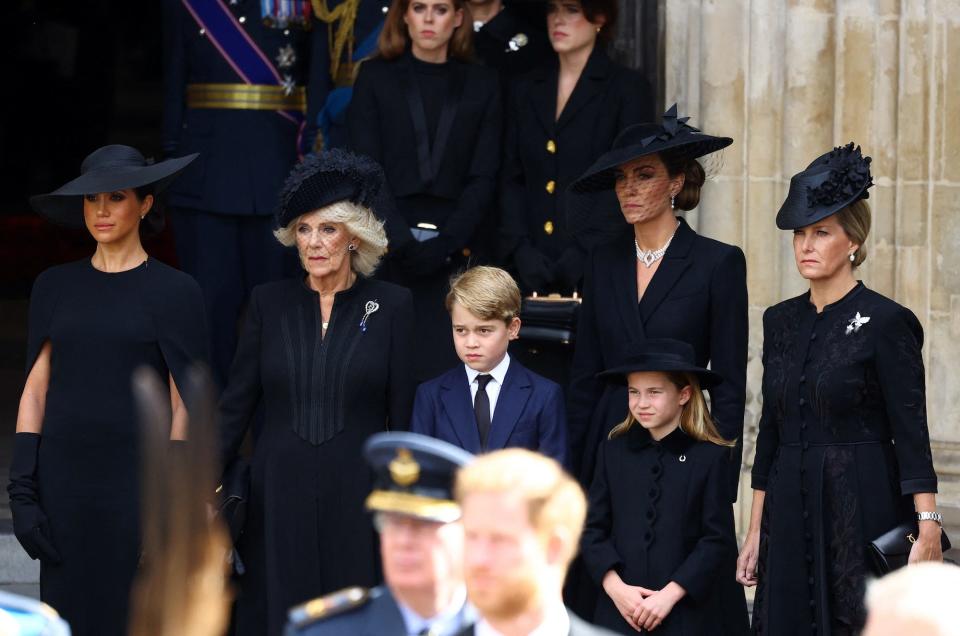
(788, 80)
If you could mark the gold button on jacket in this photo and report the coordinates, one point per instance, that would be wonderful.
(551, 186)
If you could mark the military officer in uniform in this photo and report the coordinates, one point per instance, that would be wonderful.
(234, 75)
(421, 544)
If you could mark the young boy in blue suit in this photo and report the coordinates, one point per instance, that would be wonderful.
(490, 402)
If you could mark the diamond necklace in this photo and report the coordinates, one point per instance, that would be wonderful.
(649, 257)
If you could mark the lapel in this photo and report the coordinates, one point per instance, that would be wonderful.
(675, 263)
(458, 407)
(625, 285)
(592, 81)
(510, 404)
(545, 97)
(384, 616)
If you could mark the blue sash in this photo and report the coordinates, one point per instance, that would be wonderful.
(237, 47)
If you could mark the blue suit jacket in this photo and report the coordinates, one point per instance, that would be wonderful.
(529, 413)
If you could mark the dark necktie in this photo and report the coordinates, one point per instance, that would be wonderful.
(481, 408)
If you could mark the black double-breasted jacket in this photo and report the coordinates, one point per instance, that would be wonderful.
(698, 295)
(543, 154)
(842, 445)
(659, 512)
(440, 172)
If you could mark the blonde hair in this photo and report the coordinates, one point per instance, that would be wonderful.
(489, 293)
(923, 594)
(855, 221)
(695, 418)
(395, 38)
(553, 498)
(360, 222)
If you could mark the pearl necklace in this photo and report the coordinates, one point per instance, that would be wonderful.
(649, 257)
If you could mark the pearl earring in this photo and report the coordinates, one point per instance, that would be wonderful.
(598, 29)
(673, 198)
(853, 256)
(143, 216)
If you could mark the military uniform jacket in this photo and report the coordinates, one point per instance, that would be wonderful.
(659, 512)
(544, 154)
(245, 155)
(842, 446)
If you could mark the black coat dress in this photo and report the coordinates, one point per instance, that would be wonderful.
(842, 446)
(544, 154)
(307, 532)
(659, 512)
(435, 129)
(101, 328)
(697, 295)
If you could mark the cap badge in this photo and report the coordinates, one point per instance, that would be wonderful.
(404, 470)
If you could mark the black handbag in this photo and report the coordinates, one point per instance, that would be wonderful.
(232, 496)
(891, 550)
(550, 318)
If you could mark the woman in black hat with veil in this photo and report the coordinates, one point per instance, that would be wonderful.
(843, 451)
(74, 487)
(662, 280)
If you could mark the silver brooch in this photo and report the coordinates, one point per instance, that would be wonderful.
(371, 307)
(288, 84)
(517, 42)
(286, 56)
(683, 458)
(856, 322)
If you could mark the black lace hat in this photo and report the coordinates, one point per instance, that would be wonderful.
(414, 475)
(662, 355)
(830, 183)
(672, 133)
(327, 177)
(107, 169)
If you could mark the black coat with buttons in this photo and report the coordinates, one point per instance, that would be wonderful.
(544, 154)
(842, 447)
(659, 512)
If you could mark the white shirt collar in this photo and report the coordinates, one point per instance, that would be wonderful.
(556, 622)
(498, 372)
(416, 624)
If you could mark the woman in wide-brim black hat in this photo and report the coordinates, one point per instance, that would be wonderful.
(659, 280)
(75, 470)
(659, 555)
(843, 449)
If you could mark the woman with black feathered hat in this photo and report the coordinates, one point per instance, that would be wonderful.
(843, 451)
(74, 478)
(327, 355)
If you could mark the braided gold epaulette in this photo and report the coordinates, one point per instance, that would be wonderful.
(327, 606)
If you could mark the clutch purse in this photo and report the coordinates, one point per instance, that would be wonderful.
(550, 318)
(891, 550)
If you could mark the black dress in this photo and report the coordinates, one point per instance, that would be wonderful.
(435, 129)
(102, 327)
(842, 446)
(307, 532)
(659, 512)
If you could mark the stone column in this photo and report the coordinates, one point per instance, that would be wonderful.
(790, 79)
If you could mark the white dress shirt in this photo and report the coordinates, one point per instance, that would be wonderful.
(450, 621)
(556, 622)
(498, 374)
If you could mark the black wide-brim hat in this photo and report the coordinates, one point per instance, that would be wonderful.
(830, 183)
(672, 134)
(660, 355)
(414, 475)
(107, 169)
(328, 177)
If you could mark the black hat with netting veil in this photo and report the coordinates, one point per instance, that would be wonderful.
(662, 355)
(327, 177)
(107, 169)
(830, 183)
(672, 135)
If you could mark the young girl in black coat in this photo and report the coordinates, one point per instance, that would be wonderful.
(659, 529)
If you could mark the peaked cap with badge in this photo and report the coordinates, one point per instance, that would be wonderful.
(830, 183)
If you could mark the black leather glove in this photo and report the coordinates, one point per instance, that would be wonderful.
(533, 268)
(29, 523)
(428, 256)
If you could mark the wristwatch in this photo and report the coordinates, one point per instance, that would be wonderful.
(931, 516)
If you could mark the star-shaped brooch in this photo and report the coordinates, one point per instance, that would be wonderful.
(856, 322)
(288, 84)
(286, 56)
